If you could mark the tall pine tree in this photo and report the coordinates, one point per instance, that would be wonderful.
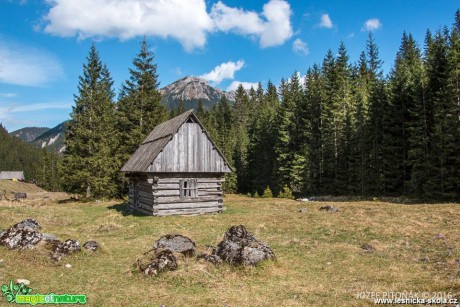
(89, 167)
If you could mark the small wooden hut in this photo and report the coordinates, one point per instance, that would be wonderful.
(177, 169)
(15, 176)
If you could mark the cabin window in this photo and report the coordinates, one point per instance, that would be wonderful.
(188, 188)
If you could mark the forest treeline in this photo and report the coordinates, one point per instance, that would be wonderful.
(341, 129)
(346, 129)
(39, 165)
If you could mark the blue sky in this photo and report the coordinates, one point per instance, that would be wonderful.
(43, 43)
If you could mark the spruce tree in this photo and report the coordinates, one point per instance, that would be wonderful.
(313, 114)
(139, 108)
(401, 121)
(361, 139)
(378, 104)
(261, 142)
(89, 167)
(444, 147)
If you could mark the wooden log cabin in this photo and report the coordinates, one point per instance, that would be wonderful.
(177, 169)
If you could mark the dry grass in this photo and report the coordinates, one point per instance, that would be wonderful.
(320, 260)
(9, 186)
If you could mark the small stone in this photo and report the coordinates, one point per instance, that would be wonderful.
(20, 195)
(328, 263)
(425, 259)
(91, 245)
(367, 247)
(26, 282)
(68, 265)
(303, 210)
(440, 236)
(329, 208)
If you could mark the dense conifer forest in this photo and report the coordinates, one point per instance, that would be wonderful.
(342, 128)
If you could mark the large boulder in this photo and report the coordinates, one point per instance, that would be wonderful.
(23, 235)
(176, 244)
(20, 238)
(160, 262)
(240, 247)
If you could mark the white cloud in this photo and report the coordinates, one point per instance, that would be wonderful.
(300, 47)
(8, 95)
(326, 21)
(186, 21)
(351, 35)
(17, 108)
(23, 65)
(223, 71)
(272, 27)
(371, 25)
(246, 85)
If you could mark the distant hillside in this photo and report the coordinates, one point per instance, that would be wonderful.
(29, 134)
(16, 155)
(53, 139)
(191, 90)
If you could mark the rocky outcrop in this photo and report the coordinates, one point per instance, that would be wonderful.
(60, 249)
(240, 247)
(160, 262)
(23, 235)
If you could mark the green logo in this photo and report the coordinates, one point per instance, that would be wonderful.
(21, 294)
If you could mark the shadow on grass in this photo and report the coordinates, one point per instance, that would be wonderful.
(124, 209)
(67, 200)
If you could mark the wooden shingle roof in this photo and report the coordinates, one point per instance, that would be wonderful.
(156, 141)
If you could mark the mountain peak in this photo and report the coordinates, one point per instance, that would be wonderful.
(189, 79)
(191, 89)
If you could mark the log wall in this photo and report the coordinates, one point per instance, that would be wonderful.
(159, 194)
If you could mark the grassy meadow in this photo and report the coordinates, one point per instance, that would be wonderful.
(319, 256)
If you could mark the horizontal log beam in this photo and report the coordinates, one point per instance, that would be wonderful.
(145, 207)
(188, 206)
(171, 200)
(187, 211)
(147, 195)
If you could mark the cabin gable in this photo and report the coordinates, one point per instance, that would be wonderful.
(189, 151)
